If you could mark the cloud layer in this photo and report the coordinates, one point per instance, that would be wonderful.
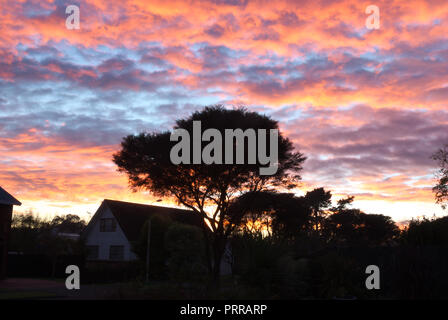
(368, 107)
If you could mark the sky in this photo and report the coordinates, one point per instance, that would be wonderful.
(367, 107)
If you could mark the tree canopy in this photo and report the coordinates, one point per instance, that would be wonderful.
(145, 158)
(441, 189)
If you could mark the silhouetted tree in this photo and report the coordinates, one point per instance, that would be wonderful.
(25, 232)
(69, 223)
(341, 227)
(441, 189)
(318, 200)
(427, 232)
(353, 227)
(31, 234)
(343, 204)
(291, 216)
(254, 211)
(377, 229)
(282, 215)
(145, 158)
(28, 230)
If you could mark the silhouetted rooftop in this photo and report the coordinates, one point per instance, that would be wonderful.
(132, 216)
(6, 198)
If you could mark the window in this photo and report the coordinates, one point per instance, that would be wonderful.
(116, 253)
(92, 252)
(108, 225)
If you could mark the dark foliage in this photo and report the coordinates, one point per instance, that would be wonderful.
(427, 232)
(441, 189)
(145, 158)
(185, 248)
(158, 252)
(36, 236)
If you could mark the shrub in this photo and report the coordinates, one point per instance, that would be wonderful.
(185, 248)
(268, 265)
(336, 276)
(158, 253)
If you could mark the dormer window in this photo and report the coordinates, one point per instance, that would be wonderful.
(108, 225)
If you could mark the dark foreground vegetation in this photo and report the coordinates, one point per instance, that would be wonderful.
(327, 262)
(309, 264)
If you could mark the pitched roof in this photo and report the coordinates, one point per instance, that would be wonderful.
(6, 198)
(131, 216)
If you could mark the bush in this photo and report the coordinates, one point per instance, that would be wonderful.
(185, 248)
(427, 232)
(158, 253)
(336, 276)
(268, 265)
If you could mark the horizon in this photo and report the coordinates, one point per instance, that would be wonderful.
(367, 107)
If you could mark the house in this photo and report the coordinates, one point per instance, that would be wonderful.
(7, 202)
(117, 224)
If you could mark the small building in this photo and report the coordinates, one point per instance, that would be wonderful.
(117, 224)
(7, 202)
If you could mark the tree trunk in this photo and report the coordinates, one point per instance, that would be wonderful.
(207, 250)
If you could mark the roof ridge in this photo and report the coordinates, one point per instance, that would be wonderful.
(131, 216)
(7, 198)
(146, 205)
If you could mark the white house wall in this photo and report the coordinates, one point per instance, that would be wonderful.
(106, 239)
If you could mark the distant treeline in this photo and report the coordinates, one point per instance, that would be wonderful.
(40, 247)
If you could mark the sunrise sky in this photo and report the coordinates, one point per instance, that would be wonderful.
(368, 107)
